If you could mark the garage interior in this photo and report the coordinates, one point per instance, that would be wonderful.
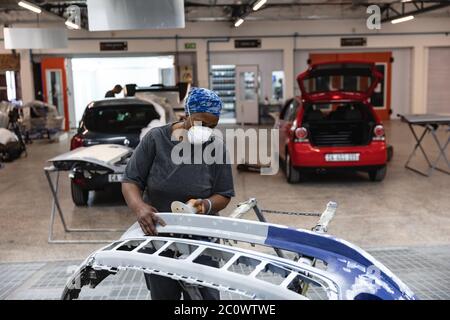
(403, 220)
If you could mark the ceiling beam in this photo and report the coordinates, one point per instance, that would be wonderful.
(55, 10)
(390, 13)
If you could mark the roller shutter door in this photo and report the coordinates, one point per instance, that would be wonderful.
(438, 80)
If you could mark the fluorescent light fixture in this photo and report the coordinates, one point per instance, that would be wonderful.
(239, 22)
(72, 25)
(35, 38)
(259, 4)
(406, 0)
(110, 15)
(30, 6)
(402, 19)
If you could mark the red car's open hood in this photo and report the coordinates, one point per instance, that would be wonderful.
(344, 80)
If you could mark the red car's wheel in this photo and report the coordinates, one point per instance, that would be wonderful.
(378, 174)
(292, 173)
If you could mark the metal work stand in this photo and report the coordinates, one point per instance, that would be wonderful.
(442, 148)
(56, 207)
(251, 203)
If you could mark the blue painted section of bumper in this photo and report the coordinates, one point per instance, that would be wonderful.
(355, 269)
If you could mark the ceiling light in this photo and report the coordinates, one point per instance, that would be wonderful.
(30, 6)
(259, 4)
(402, 19)
(72, 25)
(239, 22)
(406, 0)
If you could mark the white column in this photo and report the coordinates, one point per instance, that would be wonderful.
(26, 76)
(288, 66)
(419, 80)
(202, 64)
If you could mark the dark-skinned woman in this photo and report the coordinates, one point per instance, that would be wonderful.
(153, 180)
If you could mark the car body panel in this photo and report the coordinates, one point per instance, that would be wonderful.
(106, 155)
(351, 273)
(92, 138)
(41, 118)
(5, 108)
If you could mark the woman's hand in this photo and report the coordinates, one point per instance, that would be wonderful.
(148, 219)
(145, 214)
(210, 206)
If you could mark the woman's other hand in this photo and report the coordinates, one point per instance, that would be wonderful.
(199, 205)
(148, 219)
(145, 213)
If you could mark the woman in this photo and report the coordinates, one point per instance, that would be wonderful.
(208, 187)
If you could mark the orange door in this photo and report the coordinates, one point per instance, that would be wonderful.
(381, 99)
(54, 83)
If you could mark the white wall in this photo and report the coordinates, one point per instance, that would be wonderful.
(312, 35)
(92, 77)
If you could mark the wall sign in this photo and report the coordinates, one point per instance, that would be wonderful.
(9, 62)
(190, 45)
(186, 74)
(247, 43)
(353, 42)
(114, 46)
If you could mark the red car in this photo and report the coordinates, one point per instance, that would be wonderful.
(333, 125)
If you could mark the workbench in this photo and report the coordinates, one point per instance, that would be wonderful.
(430, 124)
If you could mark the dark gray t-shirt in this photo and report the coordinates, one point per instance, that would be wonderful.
(152, 169)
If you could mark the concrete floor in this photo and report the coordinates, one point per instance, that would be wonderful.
(425, 270)
(406, 209)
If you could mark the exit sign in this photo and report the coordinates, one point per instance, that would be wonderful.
(190, 45)
(247, 43)
(353, 42)
(114, 46)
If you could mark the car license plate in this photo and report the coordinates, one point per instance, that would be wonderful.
(116, 177)
(338, 157)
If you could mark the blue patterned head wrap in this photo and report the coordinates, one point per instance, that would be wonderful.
(203, 100)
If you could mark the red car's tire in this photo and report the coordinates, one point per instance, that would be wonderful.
(378, 174)
(292, 173)
(390, 152)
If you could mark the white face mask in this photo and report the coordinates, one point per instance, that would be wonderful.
(199, 134)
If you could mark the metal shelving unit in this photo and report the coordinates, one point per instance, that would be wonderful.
(223, 83)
